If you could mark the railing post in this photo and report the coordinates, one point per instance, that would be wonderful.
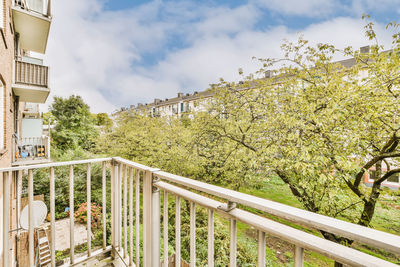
(6, 216)
(210, 238)
(114, 172)
(52, 215)
(178, 231)
(71, 214)
(119, 204)
(125, 203)
(137, 217)
(155, 248)
(30, 207)
(233, 243)
(261, 248)
(151, 213)
(89, 209)
(104, 204)
(165, 228)
(299, 257)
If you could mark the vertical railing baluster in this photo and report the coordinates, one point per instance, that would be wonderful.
(125, 202)
(178, 232)
(104, 204)
(210, 238)
(119, 188)
(31, 230)
(155, 223)
(233, 243)
(165, 227)
(53, 217)
(71, 214)
(147, 216)
(6, 218)
(113, 226)
(192, 234)
(137, 217)
(298, 257)
(130, 216)
(89, 210)
(261, 248)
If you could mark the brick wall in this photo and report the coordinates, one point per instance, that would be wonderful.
(6, 72)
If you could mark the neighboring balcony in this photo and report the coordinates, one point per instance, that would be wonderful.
(32, 19)
(31, 80)
(31, 146)
(31, 150)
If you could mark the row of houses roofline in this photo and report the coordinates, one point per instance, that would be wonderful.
(182, 97)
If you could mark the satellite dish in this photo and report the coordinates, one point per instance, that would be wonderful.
(39, 214)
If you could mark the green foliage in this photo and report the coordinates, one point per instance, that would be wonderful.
(74, 123)
(102, 119)
(178, 146)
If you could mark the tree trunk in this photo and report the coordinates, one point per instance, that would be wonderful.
(369, 206)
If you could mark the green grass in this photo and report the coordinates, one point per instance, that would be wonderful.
(386, 219)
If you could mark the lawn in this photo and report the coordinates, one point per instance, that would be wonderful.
(280, 253)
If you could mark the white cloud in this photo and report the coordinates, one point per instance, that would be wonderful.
(99, 54)
(310, 8)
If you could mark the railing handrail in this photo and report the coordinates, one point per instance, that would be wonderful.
(335, 251)
(349, 230)
(54, 164)
(30, 63)
(162, 180)
(352, 231)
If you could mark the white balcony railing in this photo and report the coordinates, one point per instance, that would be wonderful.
(42, 7)
(30, 149)
(129, 178)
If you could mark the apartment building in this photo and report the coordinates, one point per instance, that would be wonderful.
(186, 103)
(176, 106)
(24, 28)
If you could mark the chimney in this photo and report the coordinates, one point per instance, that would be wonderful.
(268, 74)
(364, 49)
(156, 100)
(180, 95)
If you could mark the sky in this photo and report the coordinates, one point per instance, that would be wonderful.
(117, 53)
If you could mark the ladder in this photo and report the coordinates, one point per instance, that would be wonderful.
(44, 253)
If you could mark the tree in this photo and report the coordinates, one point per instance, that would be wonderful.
(74, 123)
(102, 119)
(318, 125)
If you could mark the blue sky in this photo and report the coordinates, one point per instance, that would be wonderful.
(116, 53)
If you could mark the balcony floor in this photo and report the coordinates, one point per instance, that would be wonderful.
(101, 263)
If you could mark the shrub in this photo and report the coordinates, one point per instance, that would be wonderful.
(81, 214)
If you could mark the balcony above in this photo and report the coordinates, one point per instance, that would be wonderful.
(32, 19)
(30, 82)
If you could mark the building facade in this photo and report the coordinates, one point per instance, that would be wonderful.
(24, 28)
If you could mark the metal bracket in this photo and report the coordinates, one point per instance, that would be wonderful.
(228, 207)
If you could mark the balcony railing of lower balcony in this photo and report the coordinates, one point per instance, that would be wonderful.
(31, 74)
(31, 81)
(133, 185)
(31, 150)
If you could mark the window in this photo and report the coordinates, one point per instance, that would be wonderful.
(2, 110)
